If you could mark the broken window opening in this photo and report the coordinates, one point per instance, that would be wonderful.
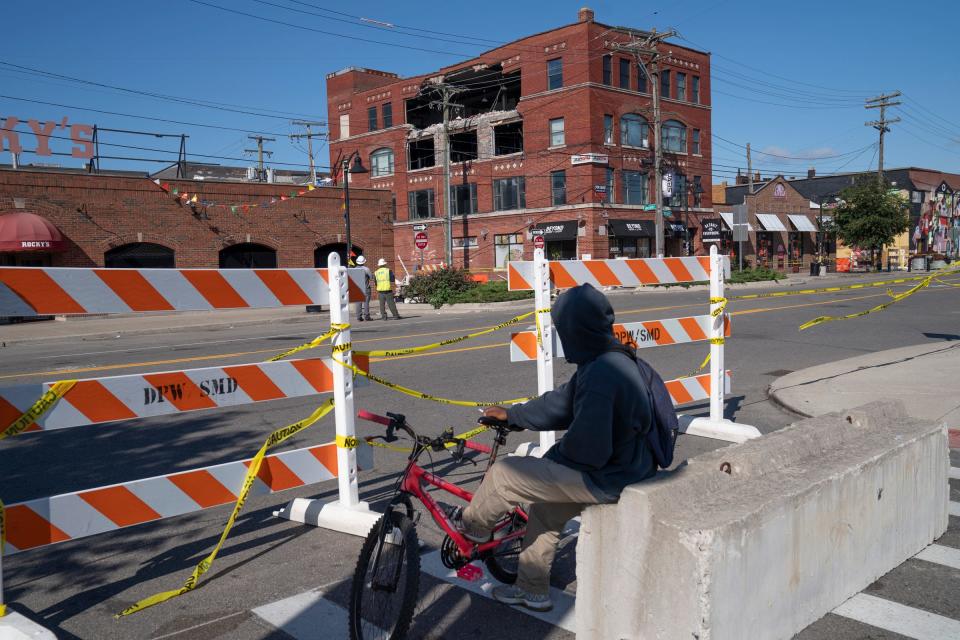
(421, 153)
(482, 91)
(508, 138)
(463, 146)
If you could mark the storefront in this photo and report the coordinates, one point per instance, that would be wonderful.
(631, 238)
(727, 244)
(770, 250)
(27, 240)
(803, 238)
(560, 239)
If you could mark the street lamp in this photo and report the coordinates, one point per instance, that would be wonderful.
(821, 234)
(347, 169)
(697, 194)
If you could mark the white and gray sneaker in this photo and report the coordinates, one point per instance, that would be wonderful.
(455, 514)
(509, 594)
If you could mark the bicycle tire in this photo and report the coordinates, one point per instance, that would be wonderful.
(502, 562)
(393, 626)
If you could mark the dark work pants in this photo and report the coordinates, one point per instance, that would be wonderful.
(386, 298)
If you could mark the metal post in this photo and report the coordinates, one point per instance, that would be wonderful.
(346, 208)
(343, 383)
(716, 334)
(541, 289)
(3, 606)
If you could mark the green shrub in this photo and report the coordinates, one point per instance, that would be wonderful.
(439, 287)
(495, 291)
(755, 275)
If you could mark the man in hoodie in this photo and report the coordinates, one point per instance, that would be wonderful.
(606, 411)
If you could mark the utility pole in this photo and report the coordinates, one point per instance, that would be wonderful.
(882, 102)
(749, 170)
(309, 135)
(641, 48)
(261, 174)
(447, 91)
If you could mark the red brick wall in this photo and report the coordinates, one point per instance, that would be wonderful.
(98, 212)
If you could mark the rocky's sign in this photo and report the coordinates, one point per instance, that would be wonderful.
(80, 135)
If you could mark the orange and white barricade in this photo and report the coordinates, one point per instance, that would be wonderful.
(541, 344)
(28, 291)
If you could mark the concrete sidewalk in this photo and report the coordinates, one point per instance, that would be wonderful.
(926, 377)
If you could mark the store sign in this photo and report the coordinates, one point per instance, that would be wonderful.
(552, 229)
(81, 136)
(710, 230)
(779, 191)
(589, 158)
(666, 185)
(599, 188)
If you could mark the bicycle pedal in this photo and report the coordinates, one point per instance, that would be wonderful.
(470, 573)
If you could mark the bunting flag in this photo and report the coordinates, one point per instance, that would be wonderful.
(185, 197)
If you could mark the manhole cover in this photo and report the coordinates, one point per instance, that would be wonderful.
(778, 372)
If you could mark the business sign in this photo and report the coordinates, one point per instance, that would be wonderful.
(666, 185)
(589, 158)
(80, 135)
(420, 240)
(710, 230)
(599, 188)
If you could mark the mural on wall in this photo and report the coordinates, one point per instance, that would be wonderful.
(937, 230)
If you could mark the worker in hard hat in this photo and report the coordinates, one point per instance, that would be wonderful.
(363, 307)
(384, 278)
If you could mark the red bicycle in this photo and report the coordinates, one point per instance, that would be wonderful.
(386, 581)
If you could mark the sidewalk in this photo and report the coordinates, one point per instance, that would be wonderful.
(925, 377)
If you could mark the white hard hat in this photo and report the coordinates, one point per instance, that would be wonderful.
(381, 262)
(361, 260)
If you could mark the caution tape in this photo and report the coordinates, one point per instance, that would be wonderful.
(350, 442)
(880, 307)
(846, 287)
(40, 407)
(539, 327)
(316, 342)
(421, 395)
(272, 440)
(392, 353)
(720, 301)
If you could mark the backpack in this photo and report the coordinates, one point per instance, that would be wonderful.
(662, 436)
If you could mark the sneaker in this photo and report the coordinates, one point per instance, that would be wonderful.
(509, 594)
(454, 513)
(360, 319)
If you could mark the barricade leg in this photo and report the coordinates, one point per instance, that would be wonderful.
(716, 426)
(348, 514)
(15, 626)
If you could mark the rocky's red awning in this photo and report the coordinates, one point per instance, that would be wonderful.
(23, 231)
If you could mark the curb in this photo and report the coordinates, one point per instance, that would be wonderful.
(778, 402)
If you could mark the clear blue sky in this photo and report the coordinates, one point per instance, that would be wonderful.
(788, 77)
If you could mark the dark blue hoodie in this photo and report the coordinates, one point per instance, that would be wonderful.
(604, 407)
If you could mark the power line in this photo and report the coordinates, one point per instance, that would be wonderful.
(882, 102)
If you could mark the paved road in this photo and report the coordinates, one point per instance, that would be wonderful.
(75, 587)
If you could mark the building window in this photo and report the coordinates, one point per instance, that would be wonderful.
(421, 204)
(696, 142)
(697, 192)
(608, 195)
(556, 132)
(681, 86)
(607, 128)
(679, 196)
(634, 187)
(641, 79)
(509, 193)
(608, 70)
(558, 188)
(381, 163)
(344, 125)
(470, 242)
(508, 246)
(387, 112)
(463, 199)
(554, 73)
(372, 118)
(695, 89)
(665, 84)
(624, 73)
(634, 131)
(674, 136)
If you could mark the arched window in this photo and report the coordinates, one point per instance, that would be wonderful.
(381, 162)
(634, 131)
(322, 254)
(139, 255)
(248, 255)
(674, 136)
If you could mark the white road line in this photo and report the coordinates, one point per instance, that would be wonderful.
(562, 615)
(955, 473)
(898, 618)
(954, 508)
(304, 615)
(947, 556)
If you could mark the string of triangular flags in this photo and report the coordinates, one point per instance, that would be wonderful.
(185, 197)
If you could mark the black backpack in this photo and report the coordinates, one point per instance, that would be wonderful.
(662, 436)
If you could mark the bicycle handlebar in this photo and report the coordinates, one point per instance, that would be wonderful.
(372, 417)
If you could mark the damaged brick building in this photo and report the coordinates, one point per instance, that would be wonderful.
(549, 134)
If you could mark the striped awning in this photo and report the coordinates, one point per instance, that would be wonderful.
(728, 220)
(770, 222)
(801, 222)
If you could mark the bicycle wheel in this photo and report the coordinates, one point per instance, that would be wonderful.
(386, 581)
(503, 561)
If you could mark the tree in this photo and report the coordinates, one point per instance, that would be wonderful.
(871, 214)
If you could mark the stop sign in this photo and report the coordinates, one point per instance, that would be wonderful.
(420, 239)
(538, 242)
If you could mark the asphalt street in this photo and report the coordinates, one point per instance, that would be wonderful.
(75, 588)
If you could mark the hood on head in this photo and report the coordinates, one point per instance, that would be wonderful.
(584, 319)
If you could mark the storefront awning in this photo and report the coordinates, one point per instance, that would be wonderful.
(728, 220)
(633, 228)
(566, 230)
(677, 227)
(770, 222)
(801, 222)
(22, 231)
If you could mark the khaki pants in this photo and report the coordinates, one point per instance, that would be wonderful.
(555, 493)
(386, 299)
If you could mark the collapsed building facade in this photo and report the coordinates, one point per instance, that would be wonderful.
(549, 135)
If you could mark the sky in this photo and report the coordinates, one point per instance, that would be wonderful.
(788, 77)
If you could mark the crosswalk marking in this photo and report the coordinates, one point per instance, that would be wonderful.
(302, 615)
(947, 556)
(955, 473)
(898, 618)
(954, 508)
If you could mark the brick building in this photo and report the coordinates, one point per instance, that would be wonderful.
(127, 219)
(552, 132)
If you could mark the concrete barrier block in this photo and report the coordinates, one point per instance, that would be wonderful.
(14, 626)
(760, 539)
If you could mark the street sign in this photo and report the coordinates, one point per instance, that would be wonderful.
(667, 185)
(710, 230)
(419, 227)
(420, 240)
(740, 227)
(538, 241)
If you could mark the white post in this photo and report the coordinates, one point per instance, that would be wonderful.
(541, 297)
(716, 331)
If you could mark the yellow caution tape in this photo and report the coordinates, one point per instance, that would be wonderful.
(392, 353)
(539, 327)
(316, 342)
(40, 407)
(424, 396)
(880, 307)
(846, 287)
(723, 305)
(272, 440)
(949, 284)
(3, 542)
(698, 369)
(345, 442)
